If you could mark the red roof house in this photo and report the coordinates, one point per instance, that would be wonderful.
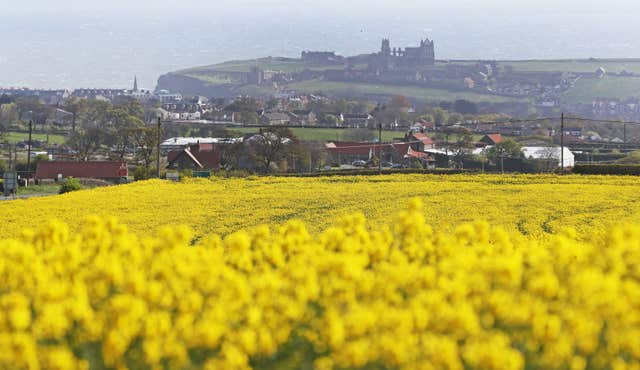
(492, 139)
(106, 170)
(196, 157)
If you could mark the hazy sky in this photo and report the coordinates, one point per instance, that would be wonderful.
(104, 43)
(363, 7)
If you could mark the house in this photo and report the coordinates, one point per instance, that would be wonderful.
(304, 117)
(165, 96)
(420, 142)
(423, 126)
(357, 120)
(573, 131)
(178, 143)
(348, 152)
(196, 157)
(189, 116)
(421, 157)
(105, 170)
(491, 139)
(275, 119)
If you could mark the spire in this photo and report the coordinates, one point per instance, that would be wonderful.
(135, 83)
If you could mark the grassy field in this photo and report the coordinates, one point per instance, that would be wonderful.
(14, 137)
(39, 189)
(321, 134)
(269, 64)
(415, 92)
(614, 87)
(608, 87)
(575, 65)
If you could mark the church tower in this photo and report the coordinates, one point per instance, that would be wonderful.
(385, 49)
(135, 83)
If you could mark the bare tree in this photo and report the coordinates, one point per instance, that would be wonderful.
(76, 107)
(86, 143)
(146, 141)
(270, 146)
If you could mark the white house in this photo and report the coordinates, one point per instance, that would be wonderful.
(550, 152)
(176, 143)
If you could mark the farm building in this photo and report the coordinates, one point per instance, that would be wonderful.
(104, 170)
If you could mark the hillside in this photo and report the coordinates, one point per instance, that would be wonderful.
(294, 75)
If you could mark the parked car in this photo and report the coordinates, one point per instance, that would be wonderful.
(359, 163)
(387, 164)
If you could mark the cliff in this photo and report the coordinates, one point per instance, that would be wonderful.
(188, 85)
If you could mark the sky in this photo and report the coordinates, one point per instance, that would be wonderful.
(104, 43)
(324, 7)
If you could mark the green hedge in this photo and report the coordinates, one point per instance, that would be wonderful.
(599, 157)
(372, 172)
(607, 169)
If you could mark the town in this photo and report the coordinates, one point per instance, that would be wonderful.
(116, 135)
(590, 88)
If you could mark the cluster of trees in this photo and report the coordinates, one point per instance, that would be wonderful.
(15, 112)
(118, 127)
(274, 149)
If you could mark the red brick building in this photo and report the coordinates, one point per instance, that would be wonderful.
(105, 170)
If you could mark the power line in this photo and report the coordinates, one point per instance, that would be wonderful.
(602, 120)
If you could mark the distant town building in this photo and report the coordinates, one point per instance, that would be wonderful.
(49, 97)
(407, 58)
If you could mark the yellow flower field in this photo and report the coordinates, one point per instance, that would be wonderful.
(532, 205)
(549, 280)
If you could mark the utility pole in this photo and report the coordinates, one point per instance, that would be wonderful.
(158, 149)
(10, 156)
(29, 150)
(624, 133)
(562, 141)
(446, 148)
(380, 150)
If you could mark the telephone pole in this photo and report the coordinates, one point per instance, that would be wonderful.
(158, 148)
(29, 150)
(562, 141)
(380, 150)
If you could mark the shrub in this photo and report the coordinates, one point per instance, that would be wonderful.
(186, 173)
(607, 169)
(69, 185)
(142, 173)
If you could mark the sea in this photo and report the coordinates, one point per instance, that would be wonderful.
(91, 50)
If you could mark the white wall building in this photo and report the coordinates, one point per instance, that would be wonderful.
(550, 152)
(176, 143)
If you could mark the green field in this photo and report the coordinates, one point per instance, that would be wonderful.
(415, 92)
(226, 75)
(268, 64)
(320, 134)
(14, 137)
(575, 65)
(608, 87)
